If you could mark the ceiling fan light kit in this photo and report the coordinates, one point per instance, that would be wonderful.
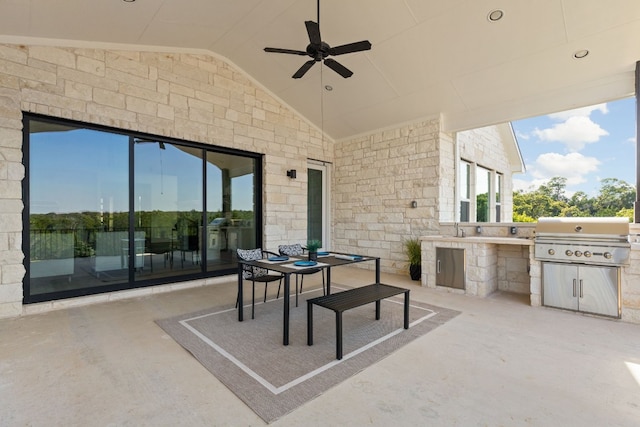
(319, 51)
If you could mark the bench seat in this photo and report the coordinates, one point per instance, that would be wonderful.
(342, 301)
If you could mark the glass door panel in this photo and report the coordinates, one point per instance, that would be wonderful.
(317, 195)
(168, 209)
(230, 208)
(78, 208)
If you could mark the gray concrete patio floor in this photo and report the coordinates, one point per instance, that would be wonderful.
(499, 363)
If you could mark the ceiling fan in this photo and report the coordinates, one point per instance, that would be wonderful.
(319, 51)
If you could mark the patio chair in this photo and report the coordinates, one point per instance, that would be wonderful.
(257, 274)
(297, 250)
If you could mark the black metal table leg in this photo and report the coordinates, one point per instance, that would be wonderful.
(309, 323)
(338, 335)
(240, 297)
(285, 326)
(328, 280)
(406, 310)
(378, 310)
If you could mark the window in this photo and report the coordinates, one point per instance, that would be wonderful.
(465, 190)
(483, 189)
(498, 196)
(108, 210)
(479, 192)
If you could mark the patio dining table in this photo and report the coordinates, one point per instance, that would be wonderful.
(333, 259)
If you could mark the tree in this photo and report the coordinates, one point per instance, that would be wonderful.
(616, 198)
(555, 189)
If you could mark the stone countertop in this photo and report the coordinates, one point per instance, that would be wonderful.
(522, 241)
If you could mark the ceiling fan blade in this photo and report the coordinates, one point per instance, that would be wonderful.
(338, 68)
(313, 29)
(351, 47)
(289, 51)
(302, 70)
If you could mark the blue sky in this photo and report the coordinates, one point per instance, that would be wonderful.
(584, 145)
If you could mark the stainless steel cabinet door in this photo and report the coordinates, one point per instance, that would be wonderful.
(560, 285)
(598, 289)
(450, 268)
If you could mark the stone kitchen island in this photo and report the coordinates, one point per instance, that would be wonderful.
(490, 264)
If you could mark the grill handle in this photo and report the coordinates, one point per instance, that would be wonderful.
(574, 287)
(581, 295)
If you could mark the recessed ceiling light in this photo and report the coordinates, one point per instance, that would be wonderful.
(495, 15)
(328, 88)
(579, 54)
(128, 1)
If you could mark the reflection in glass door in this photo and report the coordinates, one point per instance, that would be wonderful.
(230, 208)
(108, 210)
(168, 209)
(78, 208)
(317, 202)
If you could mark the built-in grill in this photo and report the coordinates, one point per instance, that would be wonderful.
(581, 260)
(601, 241)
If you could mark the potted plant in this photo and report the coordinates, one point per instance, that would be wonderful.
(414, 254)
(312, 248)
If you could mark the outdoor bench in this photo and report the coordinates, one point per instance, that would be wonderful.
(342, 301)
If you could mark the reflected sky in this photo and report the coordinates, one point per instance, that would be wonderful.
(87, 170)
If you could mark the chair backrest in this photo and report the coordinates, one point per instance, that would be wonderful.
(250, 272)
(291, 250)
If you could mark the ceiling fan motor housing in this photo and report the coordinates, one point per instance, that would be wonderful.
(318, 52)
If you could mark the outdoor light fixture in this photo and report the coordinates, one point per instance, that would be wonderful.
(414, 204)
(291, 173)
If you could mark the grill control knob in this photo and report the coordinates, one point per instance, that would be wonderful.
(578, 253)
(587, 254)
(551, 252)
(607, 255)
(568, 252)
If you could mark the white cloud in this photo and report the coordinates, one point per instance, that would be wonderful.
(574, 133)
(573, 166)
(579, 112)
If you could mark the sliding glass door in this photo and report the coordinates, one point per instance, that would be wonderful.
(108, 210)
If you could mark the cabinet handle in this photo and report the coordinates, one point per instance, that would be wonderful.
(438, 266)
(574, 287)
(581, 288)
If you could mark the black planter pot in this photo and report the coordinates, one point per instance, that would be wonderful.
(313, 256)
(415, 271)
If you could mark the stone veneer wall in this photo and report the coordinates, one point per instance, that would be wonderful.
(514, 268)
(376, 178)
(194, 97)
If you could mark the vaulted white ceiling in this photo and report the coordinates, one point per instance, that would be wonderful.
(429, 57)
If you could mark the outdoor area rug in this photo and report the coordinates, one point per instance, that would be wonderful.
(273, 379)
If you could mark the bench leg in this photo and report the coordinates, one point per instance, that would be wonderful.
(406, 310)
(378, 310)
(338, 335)
(309, 323)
